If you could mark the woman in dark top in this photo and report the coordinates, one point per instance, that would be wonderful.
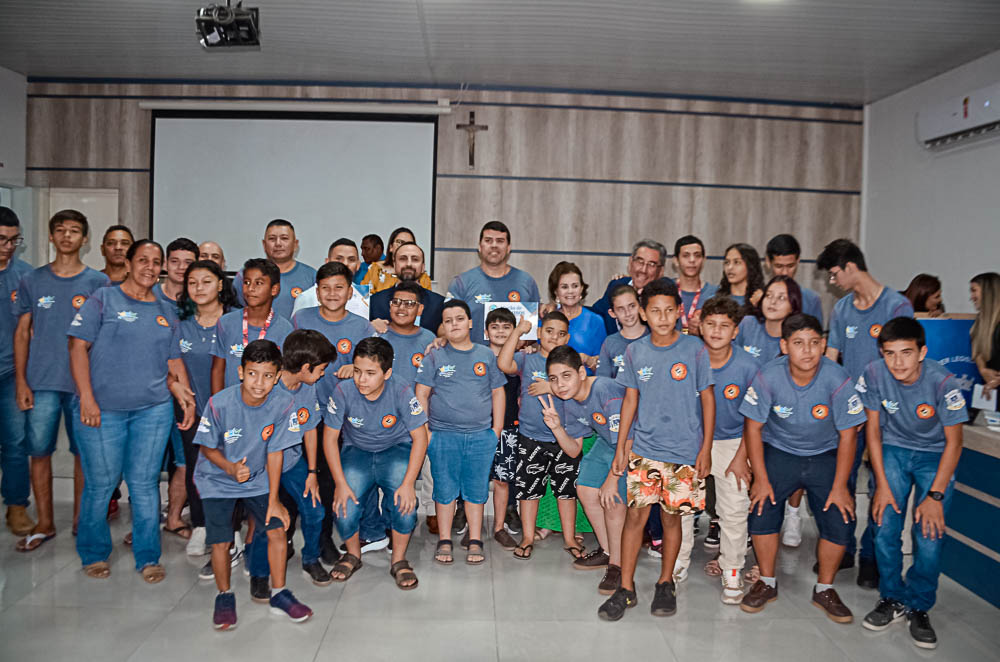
(984, 292)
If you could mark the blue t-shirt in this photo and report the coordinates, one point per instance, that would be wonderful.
(9, 280)
(668, 426)
(241, 431)
(914, 416)
(756, 341)
(462, 383)
(612, 357)
(731, 382)
(343, 335)
(707, 291)
(408, 352)
(308, 414)
(374, 425)
(530, 369)
(803, 420)
(52, 301)
(586, 332)
(131, 342)
(811, 303)
(601, 410)
(158, 291)
(855, 332)
(299, 279)
(229, 341)
(197, 343)
(475, 288)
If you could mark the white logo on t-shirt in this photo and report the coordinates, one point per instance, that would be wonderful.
(851, 331)
(854, 405)
(751, 397)
(954, 400)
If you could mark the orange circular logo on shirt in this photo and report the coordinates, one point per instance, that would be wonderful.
(820, 412)
(303, 415)
(732, 391)
(416, 360)
(874, 330)
(296, 291)
(678, 371)
(925, 411)
(344, 345)
(479, 368)
(513, 296)
(162, 321)
(13, 296)
(388, 421)
(78, 301)
(266, 433)
(599, 418)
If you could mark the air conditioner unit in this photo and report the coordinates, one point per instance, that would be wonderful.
(960, 121)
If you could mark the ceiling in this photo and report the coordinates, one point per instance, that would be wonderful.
(849, 51)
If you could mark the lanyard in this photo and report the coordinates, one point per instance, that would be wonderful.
(263, 329)
(694, 307)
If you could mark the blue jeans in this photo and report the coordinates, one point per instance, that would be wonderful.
(905, 468)
(43, 422)
(374, 522)
(868, 537)
(294, 482)
(129, 443)
(365, 472)
(14, 485)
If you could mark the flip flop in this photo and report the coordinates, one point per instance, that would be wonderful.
(33, 541)
(575, 551)
(525, 552)
(177, 531)
(99, 570)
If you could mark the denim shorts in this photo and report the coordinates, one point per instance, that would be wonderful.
(460, 464)
(219, 517)
(367, 472)
(42, 428)
(788, 473)
(595, 465)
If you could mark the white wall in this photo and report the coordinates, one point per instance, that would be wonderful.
(13, 126)
(937, 213)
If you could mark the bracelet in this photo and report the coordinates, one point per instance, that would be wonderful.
(313, 471)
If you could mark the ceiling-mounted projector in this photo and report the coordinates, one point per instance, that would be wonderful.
(228, 27)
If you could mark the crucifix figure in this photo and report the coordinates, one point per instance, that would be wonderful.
(471, 128)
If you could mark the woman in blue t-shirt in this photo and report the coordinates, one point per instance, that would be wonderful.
(126, 362)
(760, 330)
(586, 328)
(742, 275)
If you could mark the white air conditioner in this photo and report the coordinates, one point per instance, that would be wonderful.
(961, 120)
(13, 123)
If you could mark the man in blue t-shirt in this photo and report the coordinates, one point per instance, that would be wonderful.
(689, 260)
(802, 416)
(181, 253)
(493, 280)
(280, 246)
(855, 324)
(14, 485)
(782, 259)
(645, 265)
(48, 298)
(915, 413)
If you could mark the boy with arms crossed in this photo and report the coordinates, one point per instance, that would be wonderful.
(668, 454)
(624, 309)
(915, 415)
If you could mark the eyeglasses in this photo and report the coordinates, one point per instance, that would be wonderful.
(834, 274)
(13, 241)
(644, 264)
(405, 303)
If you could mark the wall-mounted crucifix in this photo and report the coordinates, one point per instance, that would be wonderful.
(471, 128)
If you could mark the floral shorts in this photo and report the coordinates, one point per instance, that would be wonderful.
(676, 487)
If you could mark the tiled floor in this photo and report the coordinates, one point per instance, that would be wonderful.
(503, 610)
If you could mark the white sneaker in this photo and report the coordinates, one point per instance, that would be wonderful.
(791, 533)
(680, 574)
(732, 587)
(196, 543)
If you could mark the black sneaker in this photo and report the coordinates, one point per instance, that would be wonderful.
(328, 552)
(712, 537)
(458, 523)
(260, 589)
(512, 521)
(664, 600)
(846, 563)
(920, 629)
(867, 573)
(614, 607)
(885, 613)
(291, 550)
(317, 573)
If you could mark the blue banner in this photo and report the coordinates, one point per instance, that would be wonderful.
(948, 343)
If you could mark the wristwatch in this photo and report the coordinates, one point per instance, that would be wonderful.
(316, 471)
(937, 496)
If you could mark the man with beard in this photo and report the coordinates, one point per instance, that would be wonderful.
(493, 280)
(209, 250)
(280, 245)
(644, 266)
(408, 263)
(117, 239)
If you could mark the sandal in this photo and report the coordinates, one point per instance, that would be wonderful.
(575, 551)
(464, 542)
(542, 534)
(525, 552)
(99, 570)
(347, 566)
(180, 531)
(442, 557)
(33, 541)
(713, 569)
(402, 572)
(153, 573)
(478, 545)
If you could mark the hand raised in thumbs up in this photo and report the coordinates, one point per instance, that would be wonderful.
(240, 471)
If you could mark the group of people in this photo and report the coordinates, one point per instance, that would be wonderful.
(352, 396)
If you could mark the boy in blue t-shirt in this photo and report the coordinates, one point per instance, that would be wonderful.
(306, 355)
(668, 451)
(624, 309)
(242, 436)
(500, 323)
(47, 300)
(407, 339)
(257, 321)
(384, 440)
(801, 418)
(915, 414)
(461, 389)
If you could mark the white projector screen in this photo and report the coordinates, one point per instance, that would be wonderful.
(224, 176)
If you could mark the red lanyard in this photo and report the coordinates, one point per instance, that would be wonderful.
(263, 329)
(694, 307)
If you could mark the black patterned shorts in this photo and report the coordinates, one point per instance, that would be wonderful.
(541, 461)
(505, 458)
